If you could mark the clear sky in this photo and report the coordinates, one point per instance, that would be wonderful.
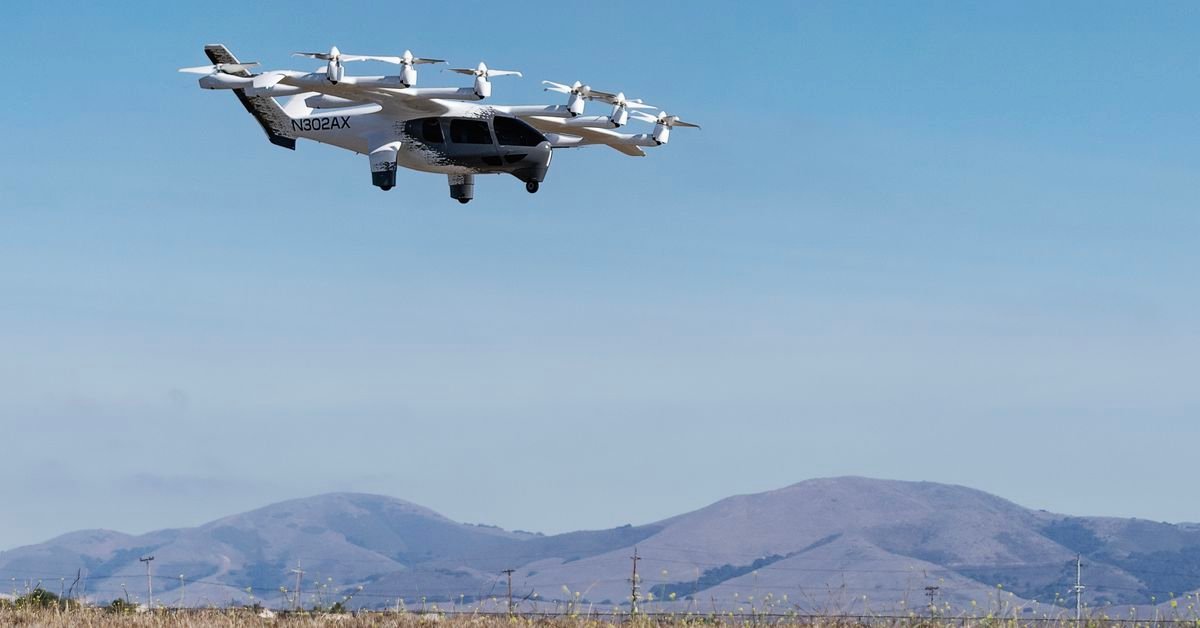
(950, 241)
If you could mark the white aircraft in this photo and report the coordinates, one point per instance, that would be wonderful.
(438, 129)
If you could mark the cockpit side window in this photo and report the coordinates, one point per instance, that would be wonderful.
(431, 131)
(514, 132)
(425, 129)
(470, 132)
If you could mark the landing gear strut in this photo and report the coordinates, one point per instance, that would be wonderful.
(531, 187)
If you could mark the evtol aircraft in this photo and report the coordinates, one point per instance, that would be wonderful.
(430, 129)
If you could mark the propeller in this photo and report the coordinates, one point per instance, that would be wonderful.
(576, 93)
(408, 59)
(405, 59)
(482, 71)
(334, 71)
(220, 68)
(575, 89)
(337, 55)
(621, 106)
(663, 123)
(619, 100)
(664, 119)
(408, 75)
(483, 87)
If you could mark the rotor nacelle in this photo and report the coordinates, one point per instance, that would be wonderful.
(577, 94)
(408, 75)
(482, 74)
(663, 123)
(334, 71)
(483, 87)
(619, 116)
(621, 106)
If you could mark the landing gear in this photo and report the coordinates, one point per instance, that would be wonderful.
(383, 166)
(531, 187)
(462, 187)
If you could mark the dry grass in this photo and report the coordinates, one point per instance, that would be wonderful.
(52, 618)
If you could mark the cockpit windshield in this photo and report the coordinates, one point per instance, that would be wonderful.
(514, 132)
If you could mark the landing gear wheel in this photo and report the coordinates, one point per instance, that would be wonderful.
(531, 187)
(464, 201)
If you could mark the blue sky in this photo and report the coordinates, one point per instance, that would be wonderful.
(948, 241)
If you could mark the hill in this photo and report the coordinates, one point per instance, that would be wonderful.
(844, 544)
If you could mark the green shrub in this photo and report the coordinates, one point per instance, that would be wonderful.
(38, 598)
(121, 606)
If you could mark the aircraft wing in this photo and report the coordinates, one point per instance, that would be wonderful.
(590, 135)
(392, 100)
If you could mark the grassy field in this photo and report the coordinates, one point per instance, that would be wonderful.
(53, 618)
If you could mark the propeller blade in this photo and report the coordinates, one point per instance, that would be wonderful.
(491, 73)
(470, 71)
(384, 59)
(596, 94)
(220, 67)
(637, 104)
(644, 117)
(420, 60)
(323, 56)
(556, 87)
(662, 118)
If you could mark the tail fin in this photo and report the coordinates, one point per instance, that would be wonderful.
(270, 116)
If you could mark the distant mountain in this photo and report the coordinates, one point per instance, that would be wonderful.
(841, 544)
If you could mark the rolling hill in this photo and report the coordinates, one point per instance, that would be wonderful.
(840, 544)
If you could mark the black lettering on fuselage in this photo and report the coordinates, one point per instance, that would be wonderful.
(321, 124)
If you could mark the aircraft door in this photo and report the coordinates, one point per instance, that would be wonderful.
(472, 143)
(525, 152)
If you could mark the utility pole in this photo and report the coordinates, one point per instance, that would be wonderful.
(931, 592)
(633, 593)
(149, 582)
(509, 573)
(1078, 588)
(299, 574)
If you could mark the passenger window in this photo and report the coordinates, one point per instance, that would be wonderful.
(513, 132)
(469, 132)
(431, 131)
